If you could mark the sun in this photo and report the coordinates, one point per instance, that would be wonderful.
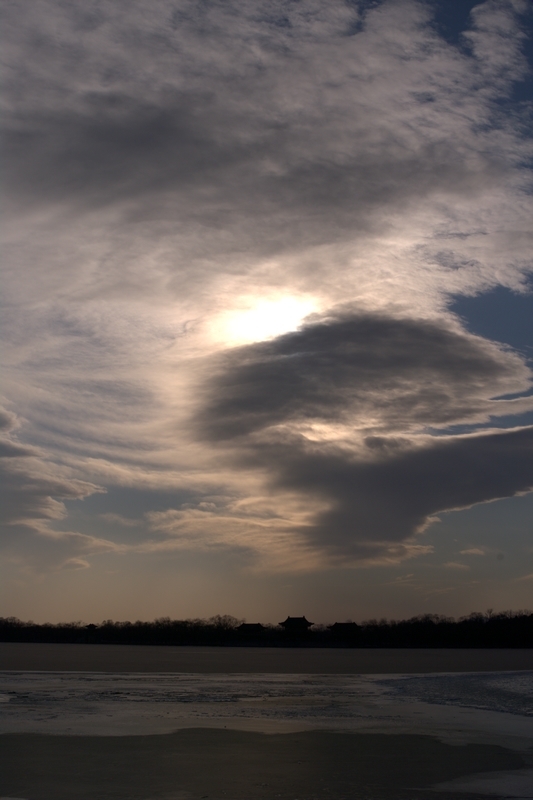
(259, 319)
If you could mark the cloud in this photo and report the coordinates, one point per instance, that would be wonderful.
(10, 449)
(32, 492)
(30, 486)
(375, 373)
(278, 407)
(8, 420)
(242, 139)
(119, 519)
(266, 541)
(170, 168)
(473, 551)
(75, 564)
(36, 548)
(375, 504)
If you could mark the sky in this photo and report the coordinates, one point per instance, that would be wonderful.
(267, 309)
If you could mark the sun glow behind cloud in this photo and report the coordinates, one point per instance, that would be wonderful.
(260, 319)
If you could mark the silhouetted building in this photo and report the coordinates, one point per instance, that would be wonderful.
(296, 625)
(250, 628)
(344, 630)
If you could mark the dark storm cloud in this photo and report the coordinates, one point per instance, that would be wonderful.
(374, 374)
(370, 370)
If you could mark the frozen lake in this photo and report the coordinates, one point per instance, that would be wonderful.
(472, 706)
(488, 710)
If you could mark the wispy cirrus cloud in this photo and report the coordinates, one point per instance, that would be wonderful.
(32, 495)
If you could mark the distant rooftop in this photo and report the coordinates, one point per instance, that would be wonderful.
(296, 624)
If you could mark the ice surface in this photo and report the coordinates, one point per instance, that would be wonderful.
(511, 693)
(492, 708)
(510, 784)
(479, 707)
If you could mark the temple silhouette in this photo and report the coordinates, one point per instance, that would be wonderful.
(344, 628)
(250, 629)
(296, 625)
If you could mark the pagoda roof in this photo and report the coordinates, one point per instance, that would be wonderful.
(343, 626)
(250, 626)
(296, 622)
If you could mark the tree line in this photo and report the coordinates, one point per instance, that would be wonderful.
(506, 629)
